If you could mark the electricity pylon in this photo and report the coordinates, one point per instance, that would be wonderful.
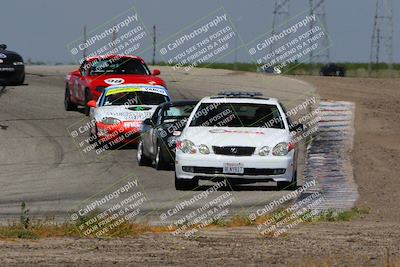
(321, 55)
(280, 17)
(382, 36)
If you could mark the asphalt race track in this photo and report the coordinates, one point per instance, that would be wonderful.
(42, 165)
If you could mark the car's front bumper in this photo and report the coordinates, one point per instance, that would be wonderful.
(117, 133)
(10, 74)
(269, 168)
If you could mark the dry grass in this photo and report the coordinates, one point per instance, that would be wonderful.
(49, 228)
(40, 229)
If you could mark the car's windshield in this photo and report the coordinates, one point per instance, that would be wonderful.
(237, 115)
(118, 66)
(134, 98)
(178, 112)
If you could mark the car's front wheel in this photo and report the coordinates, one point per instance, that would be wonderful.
(68, 105)
(289, 185)
(159, 161)
(22, 80)
(87, 99)
(141, 157)
(186, 184)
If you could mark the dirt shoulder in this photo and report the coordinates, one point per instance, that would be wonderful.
(333, 244)
(376, 143)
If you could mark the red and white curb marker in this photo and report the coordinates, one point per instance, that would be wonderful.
(328, 159)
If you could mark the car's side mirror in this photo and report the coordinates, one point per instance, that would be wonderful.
(177, 133)
(92, 104)
(147, 121)
(156, 72)
(76, 73)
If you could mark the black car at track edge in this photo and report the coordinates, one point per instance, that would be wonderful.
(12, 68)
(157, 142)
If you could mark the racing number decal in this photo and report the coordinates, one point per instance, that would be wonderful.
(114, 81)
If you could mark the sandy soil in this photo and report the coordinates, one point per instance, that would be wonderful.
(377, 144)
(371, 241)
(335, 244)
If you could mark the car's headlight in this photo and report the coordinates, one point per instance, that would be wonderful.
(264, 151)
(18, 63)
(203, 149)
(281, 149)
(186, 146)
(110, 120)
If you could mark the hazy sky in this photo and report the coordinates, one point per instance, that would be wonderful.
(41, 29)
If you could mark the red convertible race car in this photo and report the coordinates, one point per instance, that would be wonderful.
(96, 73)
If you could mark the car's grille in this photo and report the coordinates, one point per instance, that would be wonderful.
(234, 150)
(247, 171)
(6, 74)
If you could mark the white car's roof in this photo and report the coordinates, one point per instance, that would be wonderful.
(255, 100)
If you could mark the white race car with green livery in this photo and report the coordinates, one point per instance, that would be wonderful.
(119, 112)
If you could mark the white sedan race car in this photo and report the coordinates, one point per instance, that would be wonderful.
(237, 136)
(118, 114)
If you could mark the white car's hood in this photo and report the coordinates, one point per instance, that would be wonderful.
(125, 113)
(235, 136)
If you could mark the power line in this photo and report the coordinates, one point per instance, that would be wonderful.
(154, 45)
(114, 38)
(84, 41)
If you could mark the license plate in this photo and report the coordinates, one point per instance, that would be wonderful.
(236, 168)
